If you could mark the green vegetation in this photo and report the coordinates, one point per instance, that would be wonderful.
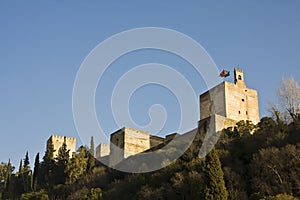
(255, 162)
(262, 165)
(215, 186)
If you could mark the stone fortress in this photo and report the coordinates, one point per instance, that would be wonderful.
(58, 141)
(227, 103)
(220, 107)
(231, 100)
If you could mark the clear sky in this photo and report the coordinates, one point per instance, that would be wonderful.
(43, 43)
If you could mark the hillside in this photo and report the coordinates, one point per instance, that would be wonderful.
(262, 165)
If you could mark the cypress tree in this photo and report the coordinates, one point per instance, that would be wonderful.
(36, 171)
(19, 180)
(21, 167)
(91, 158)
(7, 181)
(215, 185)
(90, 163)
(7, 176)
(62, 162)
(26, 162)
(48, 166)
(92, 148)
(25, 175)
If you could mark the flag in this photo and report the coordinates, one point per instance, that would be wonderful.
(224, 73)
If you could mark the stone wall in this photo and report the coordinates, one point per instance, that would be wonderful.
(155, 140)
(232, 100)
(116, 147)
(213, 102)
(102, 150)
(57, 142)
(136, 141)
(126, 142)
(241, 103)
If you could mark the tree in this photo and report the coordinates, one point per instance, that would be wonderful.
(7, 186)
(90, 163)
(62, 162)
(215, 185)
(36, 171)
(288, 106)
(92, 148)
(20, 167)
(26, 175)
(3, 175)
(267, 124)
(3, 167)
(77, 165)
(276, 171)
(48, 167)
(243, 128)
(91, 158)
(26, 162)
(18, 180)
(8, 175)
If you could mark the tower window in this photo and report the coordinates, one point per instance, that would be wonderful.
(246, 112)
(239, 112)
(239, 77)
(243, 100)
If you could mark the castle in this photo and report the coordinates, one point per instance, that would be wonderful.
(57, 142)
(231, 100)
(126, 142)
(227, 103)
(220, 107)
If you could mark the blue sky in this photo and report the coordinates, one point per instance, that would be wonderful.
(42, 45)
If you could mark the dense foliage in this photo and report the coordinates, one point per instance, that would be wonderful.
(248, 162)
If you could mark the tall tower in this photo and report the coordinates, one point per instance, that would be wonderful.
(239, 77)
(126, 142)
(232, 101)
(58, 141)
(102, 150)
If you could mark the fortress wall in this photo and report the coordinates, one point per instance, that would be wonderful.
(116, 147)
(102, 150)
(241, 103)
(136, 141)
(155, 140)
(216, 97)
(58, 141)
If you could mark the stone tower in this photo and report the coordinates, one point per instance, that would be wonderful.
(230, 102)
(102, 150)
(239, 77)
(57, 142)
(126, 142)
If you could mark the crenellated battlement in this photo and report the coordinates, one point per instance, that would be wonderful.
(60, 137)
(58, 140)
(238, 70)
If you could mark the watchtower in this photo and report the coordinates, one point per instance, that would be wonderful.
(57, 142)
(239, 77)
(230, 101)
(126, 142)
